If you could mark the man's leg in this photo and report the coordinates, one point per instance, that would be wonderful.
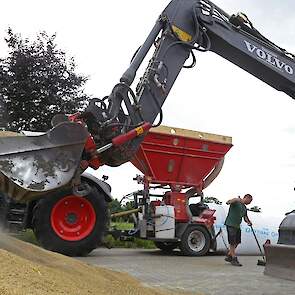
(232, 245)
(235, 260)
(232, 250)
(228, 257)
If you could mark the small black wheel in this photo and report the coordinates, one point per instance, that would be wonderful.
(166, 246)
(195, 241)
(69, 224)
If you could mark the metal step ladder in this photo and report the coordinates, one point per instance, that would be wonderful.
(13, 215)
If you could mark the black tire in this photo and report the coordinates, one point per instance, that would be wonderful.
(47, 235)
(195, 241)
(166, 246)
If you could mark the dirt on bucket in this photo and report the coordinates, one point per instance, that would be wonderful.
(26, 269)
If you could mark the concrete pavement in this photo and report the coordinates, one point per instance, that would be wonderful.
(209, 275)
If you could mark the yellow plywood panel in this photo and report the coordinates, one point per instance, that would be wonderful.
(8, 134)
(192, 134)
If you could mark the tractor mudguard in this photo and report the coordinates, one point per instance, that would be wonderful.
(105, 187)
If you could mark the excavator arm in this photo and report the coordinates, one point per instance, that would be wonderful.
(117, 123)
(186, 26)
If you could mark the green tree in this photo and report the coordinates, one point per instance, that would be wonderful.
(115, 206)
(212, 200)
(37, 81)
(255, 209)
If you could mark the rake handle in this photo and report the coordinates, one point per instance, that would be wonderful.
(257, 241)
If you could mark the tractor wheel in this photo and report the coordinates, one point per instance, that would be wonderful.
(195, 241)
(166, 246)
(69, 224)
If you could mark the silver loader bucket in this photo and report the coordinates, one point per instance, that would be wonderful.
(280, 261)
(33, 165)
(280, 258)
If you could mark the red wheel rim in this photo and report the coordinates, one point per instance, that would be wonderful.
(73, 218)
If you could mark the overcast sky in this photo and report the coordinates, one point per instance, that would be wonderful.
(215, 96)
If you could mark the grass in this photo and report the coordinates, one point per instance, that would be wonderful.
(134, 243)
(29, 236)
(122, 225)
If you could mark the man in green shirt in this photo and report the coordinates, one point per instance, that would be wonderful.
(236, 212)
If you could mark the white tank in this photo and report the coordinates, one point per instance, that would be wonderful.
(265, 227)
(165, 224)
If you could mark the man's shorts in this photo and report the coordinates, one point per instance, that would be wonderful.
(233, 235)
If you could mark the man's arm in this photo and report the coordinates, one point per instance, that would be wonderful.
(247, 220)
(234, 200)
